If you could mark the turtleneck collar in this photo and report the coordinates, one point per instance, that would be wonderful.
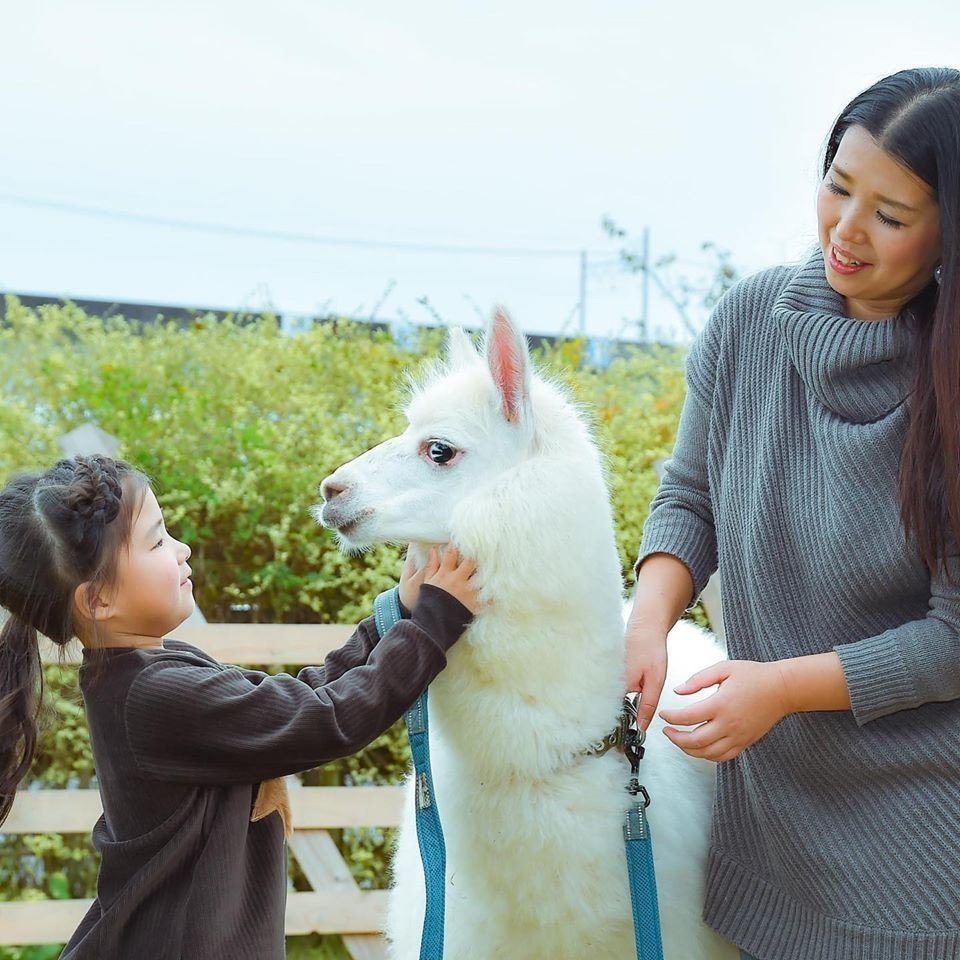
(859, 369)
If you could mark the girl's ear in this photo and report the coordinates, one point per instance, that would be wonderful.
(91, 602)
(509, 362)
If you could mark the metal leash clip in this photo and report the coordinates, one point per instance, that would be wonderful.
(633, 738)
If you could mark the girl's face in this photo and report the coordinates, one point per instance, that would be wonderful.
(153, 593)
(879, 228)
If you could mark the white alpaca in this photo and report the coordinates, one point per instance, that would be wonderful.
(498, 461)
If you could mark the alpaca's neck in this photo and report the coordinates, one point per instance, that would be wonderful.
(540, 669)
(547, 692)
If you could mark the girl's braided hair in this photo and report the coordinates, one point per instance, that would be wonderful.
(59, 529)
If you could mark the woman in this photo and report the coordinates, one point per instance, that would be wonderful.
(817, 465)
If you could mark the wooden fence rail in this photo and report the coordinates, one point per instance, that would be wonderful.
(335, 905)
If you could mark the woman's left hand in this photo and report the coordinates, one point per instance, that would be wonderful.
(750, 701)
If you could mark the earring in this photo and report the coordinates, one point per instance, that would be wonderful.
(937, 273)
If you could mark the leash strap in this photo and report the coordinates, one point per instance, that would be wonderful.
(433, 853)
(643, 884)
(639, 846)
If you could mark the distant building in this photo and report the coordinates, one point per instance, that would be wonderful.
(600, 351)
(141, 312)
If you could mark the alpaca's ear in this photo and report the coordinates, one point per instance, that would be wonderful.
(509, 362)
(460, 349)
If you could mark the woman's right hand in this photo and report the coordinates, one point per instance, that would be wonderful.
(664, 588)
(646, 652)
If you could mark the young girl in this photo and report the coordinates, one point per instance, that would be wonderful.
(186, 749)
(817, 464)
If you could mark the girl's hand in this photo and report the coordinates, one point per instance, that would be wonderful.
(646, 667)
(751, 700)
(450, 574)
(412, 576)
(456, 577)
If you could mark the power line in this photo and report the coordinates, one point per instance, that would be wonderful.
(590, 262)
(289, 237)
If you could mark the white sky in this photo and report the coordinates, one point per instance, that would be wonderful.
(505, 125)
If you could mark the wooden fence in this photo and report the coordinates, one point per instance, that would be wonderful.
(335, 905)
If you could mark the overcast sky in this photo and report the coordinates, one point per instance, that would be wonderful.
(490, 126)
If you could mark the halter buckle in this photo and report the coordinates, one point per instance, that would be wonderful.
(633, 739)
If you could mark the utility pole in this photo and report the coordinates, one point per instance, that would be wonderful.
(645, 288)
(583, 293)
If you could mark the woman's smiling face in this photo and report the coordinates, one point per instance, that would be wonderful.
(879, 228)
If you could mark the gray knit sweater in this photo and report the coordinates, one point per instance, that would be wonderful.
(837, 835)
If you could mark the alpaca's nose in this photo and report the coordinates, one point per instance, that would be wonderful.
(331, 488)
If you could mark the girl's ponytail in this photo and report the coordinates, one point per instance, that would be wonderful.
(21, 682)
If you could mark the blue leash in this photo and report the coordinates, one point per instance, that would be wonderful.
(639, 845)
(636, 829)
(433, 852)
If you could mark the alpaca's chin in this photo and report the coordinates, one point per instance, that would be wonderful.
(352, 538)
(352, 528)
(350, 546)
(361, 536)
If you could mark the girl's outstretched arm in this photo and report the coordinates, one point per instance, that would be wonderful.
(191, 721)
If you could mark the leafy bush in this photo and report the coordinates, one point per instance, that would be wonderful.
(237, 423)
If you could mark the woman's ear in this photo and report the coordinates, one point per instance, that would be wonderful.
(91, 602)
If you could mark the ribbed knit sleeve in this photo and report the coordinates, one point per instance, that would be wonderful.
(681, 514)
(219, 724)
(914, 663)
(354, 652)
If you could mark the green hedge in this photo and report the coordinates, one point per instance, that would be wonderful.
(237, 424)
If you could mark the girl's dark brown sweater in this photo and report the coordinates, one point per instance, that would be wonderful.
(181, 742)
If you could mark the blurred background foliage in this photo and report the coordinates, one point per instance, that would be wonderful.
(237, 422)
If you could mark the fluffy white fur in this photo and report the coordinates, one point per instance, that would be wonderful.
(535, 858)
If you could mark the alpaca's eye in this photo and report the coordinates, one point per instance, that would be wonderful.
(440, 452)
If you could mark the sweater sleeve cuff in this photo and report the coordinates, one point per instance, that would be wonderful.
(877, 677)
(441, 615)
(685, 537)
